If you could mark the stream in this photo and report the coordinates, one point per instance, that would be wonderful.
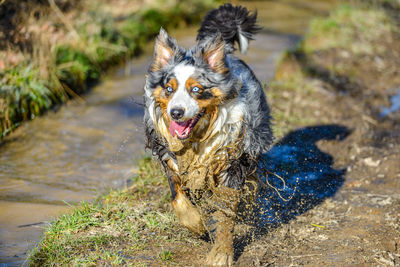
(92, 144)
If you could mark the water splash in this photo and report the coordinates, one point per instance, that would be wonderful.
(395, 105)
(308, 173)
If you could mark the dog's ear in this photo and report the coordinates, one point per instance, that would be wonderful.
(214, 54)
(164, 50)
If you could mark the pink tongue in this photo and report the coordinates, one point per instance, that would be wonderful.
(179, 127)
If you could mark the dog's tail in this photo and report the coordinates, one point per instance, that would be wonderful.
(234, 23)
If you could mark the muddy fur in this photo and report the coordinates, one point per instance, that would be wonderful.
(207, 123)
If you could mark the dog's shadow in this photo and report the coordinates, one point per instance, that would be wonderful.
(308, 175)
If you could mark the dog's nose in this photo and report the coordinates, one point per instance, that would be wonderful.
(177, 113)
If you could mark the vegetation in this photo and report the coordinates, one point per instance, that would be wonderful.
(61, 47)
(347, 27)
(352, 51)
(134, 226)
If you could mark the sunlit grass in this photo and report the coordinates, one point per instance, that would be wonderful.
(116, 228)
(23, 95)
(352, 27)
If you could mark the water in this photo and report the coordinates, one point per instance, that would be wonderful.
(92, 144)
(394, 105)
(309, 175)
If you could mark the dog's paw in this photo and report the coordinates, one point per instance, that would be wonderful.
(220, 256)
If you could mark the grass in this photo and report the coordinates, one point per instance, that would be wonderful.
(340, 49)
(23, 95)
(126, 227)
(353, 27)
(66, 53)
(329, 59)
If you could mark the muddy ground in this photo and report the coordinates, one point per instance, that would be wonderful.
(353, 219)
(340, 161)
(358, 223)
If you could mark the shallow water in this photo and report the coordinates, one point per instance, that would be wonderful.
(92, 144)
(394, 105)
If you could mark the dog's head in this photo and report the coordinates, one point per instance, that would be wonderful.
(188, 87)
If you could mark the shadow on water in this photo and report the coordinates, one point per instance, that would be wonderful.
(127, 107)
(309, 178)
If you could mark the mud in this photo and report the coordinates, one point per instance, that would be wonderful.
(340, 204)
(339, 157)
(346, 203)
(355, 219)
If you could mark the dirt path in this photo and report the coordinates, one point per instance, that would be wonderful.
(358, 219)
(342, 170)
(338, 151)
(345, 208)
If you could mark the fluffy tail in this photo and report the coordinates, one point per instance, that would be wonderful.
(234, 23)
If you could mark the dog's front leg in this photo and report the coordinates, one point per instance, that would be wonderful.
(221, 225)
(188, 215)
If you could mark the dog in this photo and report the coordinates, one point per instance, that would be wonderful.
(207, 122)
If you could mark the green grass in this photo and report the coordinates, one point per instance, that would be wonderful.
(23, 95)
(352, 27)
(125, 227)
(166, 255)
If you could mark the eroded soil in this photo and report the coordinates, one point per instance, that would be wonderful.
(360, 223)
(340, 158)
(341, 164)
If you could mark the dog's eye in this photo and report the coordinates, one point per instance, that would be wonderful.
(169, 89)
(195, 89)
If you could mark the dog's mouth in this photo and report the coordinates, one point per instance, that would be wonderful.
(183, 129)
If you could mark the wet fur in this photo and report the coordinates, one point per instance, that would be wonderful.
(207, 172)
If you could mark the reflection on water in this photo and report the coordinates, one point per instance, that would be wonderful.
(92, 144)
(70, 155)
(394, 105)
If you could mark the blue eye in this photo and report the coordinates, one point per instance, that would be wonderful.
(169, 89)
(195, 89)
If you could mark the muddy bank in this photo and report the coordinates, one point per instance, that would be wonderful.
(336, 87)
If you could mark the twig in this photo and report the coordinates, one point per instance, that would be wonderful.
(307, 255)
